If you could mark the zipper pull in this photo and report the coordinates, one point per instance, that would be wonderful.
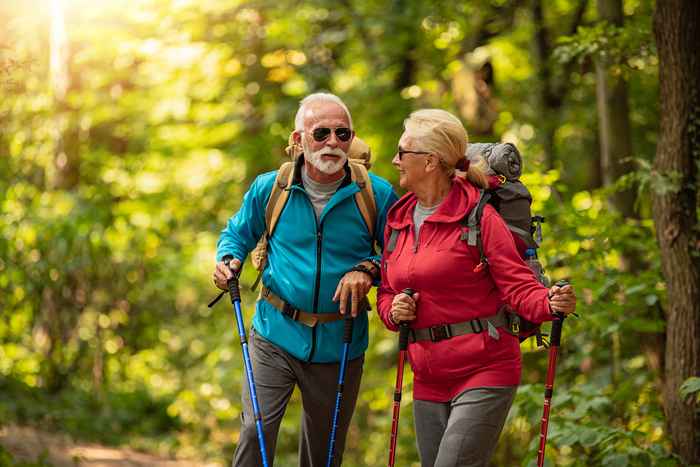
(481, 266)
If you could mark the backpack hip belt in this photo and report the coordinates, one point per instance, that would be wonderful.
(502, 319)
(301, 316)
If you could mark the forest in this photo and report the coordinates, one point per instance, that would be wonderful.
(131, 129)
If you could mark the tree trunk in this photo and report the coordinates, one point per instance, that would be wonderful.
(615, 137)
(549, 102)
(614, 121)
(66, 133)
(255, 77)
(677, 32)
(551, 90)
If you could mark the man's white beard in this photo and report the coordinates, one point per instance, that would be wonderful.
(327, 167)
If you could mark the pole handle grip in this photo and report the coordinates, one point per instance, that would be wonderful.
(232, 284)
(347, 330)
(403, 336)
(403, 325)
(558, 321)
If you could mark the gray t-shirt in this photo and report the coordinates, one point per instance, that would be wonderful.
(420, 213)
(319, 193)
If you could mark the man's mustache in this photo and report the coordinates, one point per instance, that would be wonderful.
(330, 152)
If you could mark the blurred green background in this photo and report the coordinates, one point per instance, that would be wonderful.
(130, 129)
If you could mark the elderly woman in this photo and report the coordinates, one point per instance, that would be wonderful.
(465, 380)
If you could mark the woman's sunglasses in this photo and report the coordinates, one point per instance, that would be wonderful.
(401, 152)
(321, 134)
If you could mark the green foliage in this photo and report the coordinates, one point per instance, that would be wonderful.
(7, 460)
(649, 180)
(689, 387)
(174, 107)
(626, 48)
(112, 418)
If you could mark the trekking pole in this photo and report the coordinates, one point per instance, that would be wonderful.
(235, 294)
(347, 339)
(555, 340)
(403, 346)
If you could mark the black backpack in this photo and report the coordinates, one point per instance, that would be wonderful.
(511, 198)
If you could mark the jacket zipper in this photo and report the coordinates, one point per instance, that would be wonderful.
(416, 238)
(319, 242)
(317, 285)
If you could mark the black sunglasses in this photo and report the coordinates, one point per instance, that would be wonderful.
(322, 133)
(401, 152)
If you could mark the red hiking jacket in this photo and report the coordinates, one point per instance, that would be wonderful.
(440, 266)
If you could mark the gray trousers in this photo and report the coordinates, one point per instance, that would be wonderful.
(276, 373)
(462, 432)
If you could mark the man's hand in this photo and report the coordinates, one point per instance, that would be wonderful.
(403, 307)
(222, 273)
(562, 299)
(356, 284)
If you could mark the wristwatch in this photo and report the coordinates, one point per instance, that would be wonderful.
(377, 264)
(363, 268)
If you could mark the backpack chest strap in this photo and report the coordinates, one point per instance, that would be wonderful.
(502, 319)
(303, 317)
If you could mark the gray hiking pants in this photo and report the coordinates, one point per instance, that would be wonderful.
(276, 373)
(462, 432)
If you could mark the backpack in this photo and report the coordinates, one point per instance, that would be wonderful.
(358, 161)
(511, 198)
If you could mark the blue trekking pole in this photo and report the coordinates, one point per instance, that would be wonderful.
(347, 339)
(235, 294)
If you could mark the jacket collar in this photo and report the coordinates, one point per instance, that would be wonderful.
(460, 200)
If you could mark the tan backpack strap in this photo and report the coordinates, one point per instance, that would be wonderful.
(278, 196)
(273, 210)
(365, 197)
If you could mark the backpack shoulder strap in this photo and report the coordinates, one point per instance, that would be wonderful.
(393, 236)
(273, 211)
(278, 196)
(365, 197)
(473, 223)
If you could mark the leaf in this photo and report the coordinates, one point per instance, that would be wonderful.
(644, 325)
(616, 460)
(590, 437)
(690, 386)
(635, 288)
(651, 299)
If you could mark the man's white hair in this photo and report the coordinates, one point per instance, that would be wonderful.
(318, 97)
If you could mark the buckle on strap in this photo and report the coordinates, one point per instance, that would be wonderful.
(476, 329)
(290, 312)
(439, 333)
(514, 324)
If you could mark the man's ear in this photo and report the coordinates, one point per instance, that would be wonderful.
(296, 135)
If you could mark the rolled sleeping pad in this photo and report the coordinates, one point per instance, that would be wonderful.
(501, 158)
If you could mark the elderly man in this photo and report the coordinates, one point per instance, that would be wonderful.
(321, 264)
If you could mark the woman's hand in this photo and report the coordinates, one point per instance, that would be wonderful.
(562, 299)
(403, 308)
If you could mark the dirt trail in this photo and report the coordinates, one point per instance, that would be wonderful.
(29, 444)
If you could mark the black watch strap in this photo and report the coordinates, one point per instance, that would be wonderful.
(363, 268)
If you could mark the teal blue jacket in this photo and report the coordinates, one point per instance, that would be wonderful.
(306, 259)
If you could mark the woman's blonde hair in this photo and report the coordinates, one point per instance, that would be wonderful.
(476, 173)
(441, 133)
